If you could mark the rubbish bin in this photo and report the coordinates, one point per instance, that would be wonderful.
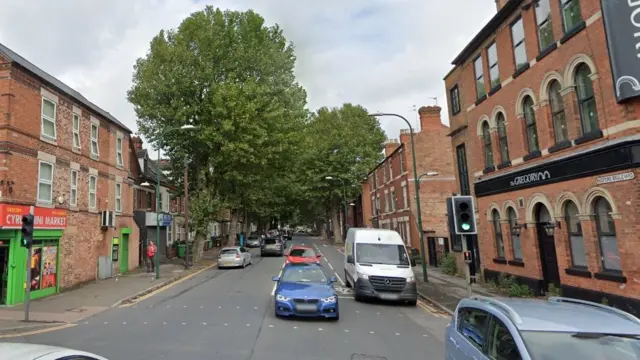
(210, 244)
(181, 250)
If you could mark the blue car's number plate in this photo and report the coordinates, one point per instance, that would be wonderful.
(306, 307)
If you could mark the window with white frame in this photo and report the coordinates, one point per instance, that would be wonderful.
(76, 131)
(48, 128)
(118, 197)
(45, 182)
(119, 159)
(393, 199)
(93, 187)
(95, 150)
(73, 193)
(386, 202)
(405, 201)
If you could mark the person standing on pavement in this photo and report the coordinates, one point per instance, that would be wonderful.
(151, 253)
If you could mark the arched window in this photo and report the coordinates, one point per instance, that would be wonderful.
(576, 241)
(558, 118)
(530, 123)
(497, 230)
(488, 147)
(515, 239)
(607, 240)
(502, 138)
(586, 99)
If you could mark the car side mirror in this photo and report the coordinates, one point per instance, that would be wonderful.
(318, 256)
(332, 280)
(350, 259)
(276, 278)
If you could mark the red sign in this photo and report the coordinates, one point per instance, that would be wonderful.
(44, 218)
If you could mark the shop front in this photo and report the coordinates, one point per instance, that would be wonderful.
(44, 263)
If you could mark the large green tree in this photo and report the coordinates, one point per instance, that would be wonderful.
(343, 143)
(232, 77)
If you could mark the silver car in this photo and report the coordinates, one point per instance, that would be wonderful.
(235, 256)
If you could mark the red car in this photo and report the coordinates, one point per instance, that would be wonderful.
(302, 254)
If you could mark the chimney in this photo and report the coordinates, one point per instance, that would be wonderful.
(501, 3)
(405, 136)
(137, 142)
(390, 146)
(430, 118)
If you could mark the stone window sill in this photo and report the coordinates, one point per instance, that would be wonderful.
(585, 273)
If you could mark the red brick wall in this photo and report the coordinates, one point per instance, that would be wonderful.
(587, 46)
(83, 241)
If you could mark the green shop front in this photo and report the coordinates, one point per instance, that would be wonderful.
(44, 263)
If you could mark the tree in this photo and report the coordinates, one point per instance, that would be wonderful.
(232, 77)
(351, 145)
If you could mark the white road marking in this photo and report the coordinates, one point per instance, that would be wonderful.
(271, 326)
(397, 334)
(346, 330)
(201, 307)
(204, 323)
(319, 329)
(184, 323)
(86, 322)
(124, 323)
(184, 306)
(273, 291)
(164, 323)
(219, 307)
(237, 307)
(145, 323)
(255, 307)
(377, 313)
(168, 306)
(226, 324)
(295, 327)
(371, 332)
(248, 324)
(328, 263)
(425, 335)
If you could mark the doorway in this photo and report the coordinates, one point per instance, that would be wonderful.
(124, 253)
(432, 251)
(547, 247)
(4, 273)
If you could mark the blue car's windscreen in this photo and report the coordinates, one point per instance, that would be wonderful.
(385, 254)
(304, 274)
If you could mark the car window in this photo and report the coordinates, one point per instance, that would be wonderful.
(472, 324)
(228, 251)
(304, 274)
(302, 253)
(269, 241)
(501, 345)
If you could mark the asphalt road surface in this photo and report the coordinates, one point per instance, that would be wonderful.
(229, 314)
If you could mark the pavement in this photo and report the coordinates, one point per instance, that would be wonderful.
(86, 301)
(228, 314)
(441, 290)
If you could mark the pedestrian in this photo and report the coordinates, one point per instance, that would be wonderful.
(151, 252)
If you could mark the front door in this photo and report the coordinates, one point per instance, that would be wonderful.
(432, 251)
(4, 273)
(124, 253)
(548, 257)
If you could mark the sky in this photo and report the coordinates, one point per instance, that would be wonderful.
(386, 55)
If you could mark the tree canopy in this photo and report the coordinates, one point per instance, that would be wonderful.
(255, 146)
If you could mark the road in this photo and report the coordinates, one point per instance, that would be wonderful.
(228, 314)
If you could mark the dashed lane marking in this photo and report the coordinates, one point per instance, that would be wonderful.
(273, 291)
(328, 263)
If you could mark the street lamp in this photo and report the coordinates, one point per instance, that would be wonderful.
(157, 258)
(344, 203)
(417, 189)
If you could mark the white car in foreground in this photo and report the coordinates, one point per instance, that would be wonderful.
(23, 351)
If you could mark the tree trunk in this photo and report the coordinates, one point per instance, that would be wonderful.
(337, 227)
(233, 231)
(198, 247)
(322, 227)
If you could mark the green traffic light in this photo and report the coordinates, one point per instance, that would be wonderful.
(465, 227)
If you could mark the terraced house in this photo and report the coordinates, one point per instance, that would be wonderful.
(69, 159)
(544, 111)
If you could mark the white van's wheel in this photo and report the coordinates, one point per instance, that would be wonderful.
(347, 283)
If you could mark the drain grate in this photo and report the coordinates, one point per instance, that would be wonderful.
(367, 357)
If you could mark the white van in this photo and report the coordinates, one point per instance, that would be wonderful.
(377, 265)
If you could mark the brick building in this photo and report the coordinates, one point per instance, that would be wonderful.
(547, 150)
(68, 158)
(389, 191)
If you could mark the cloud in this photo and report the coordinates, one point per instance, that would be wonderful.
(387, 55)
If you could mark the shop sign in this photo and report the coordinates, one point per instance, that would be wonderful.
(615, 178)
(165, 219)
(44, 218)
(532, 177)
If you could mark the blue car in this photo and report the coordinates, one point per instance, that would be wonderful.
(305, 290)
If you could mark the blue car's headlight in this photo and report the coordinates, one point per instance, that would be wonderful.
(329, 299)
(282, 298)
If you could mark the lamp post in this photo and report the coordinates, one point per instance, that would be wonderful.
(157, 258)
(344, 204)
(417, 189)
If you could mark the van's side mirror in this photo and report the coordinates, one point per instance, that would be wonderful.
(350, 259)
(413, 262)
(332, 280)
(276, 278)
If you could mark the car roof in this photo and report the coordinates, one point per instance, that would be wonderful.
(559, 314)
(297, 265)
(35, 351)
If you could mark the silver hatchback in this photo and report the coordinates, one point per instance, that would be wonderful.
(235, 256)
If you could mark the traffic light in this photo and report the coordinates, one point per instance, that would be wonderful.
(464, 215)
(27, 230)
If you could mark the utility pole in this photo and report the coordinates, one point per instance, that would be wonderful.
(467, 264)
(27, 234)
(186, 212)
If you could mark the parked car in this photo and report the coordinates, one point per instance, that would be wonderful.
(305, 290)
(272, 246)
(558, 328)
(235, 256)
(25, 351)
(302, 254)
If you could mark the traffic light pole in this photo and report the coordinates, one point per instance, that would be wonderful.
(27, 296)
(467, 266)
